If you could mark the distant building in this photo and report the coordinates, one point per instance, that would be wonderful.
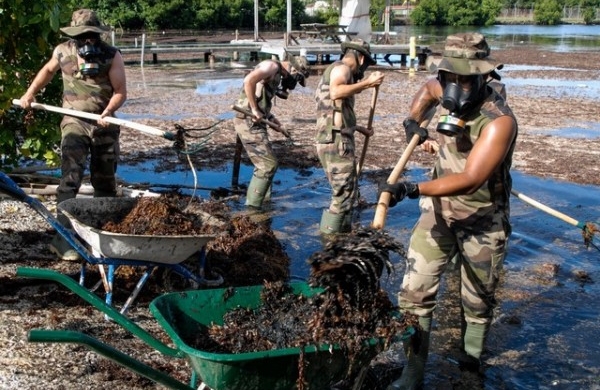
(320, 5)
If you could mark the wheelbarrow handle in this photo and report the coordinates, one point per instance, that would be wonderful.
(67, 336)
(95, 301)
(9, 187)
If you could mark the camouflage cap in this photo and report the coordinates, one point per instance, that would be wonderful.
(360, 46)
(84, 21)
(466, 54)
(300, 63)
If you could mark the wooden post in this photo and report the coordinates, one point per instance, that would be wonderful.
(142, 51)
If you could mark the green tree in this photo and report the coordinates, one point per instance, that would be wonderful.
(430, 13)
(28, 35)
(464, 13)
(547, 12)
(376, 12)
(490, 10)
(330, 15)
(168, 14)
(589, 10)
(456, 12)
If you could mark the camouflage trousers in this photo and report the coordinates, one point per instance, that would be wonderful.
(337, 159)
(81, 139)
(480, 248)
(258, 147)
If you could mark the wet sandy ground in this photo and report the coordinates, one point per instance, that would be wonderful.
(546, 316)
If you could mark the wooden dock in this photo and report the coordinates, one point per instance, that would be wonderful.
(319, 52)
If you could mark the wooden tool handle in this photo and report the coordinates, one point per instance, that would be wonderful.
(89, 115)
(384, 198)
(369, 125)
(551, 211)
(272, 125)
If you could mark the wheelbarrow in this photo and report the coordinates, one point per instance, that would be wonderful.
(183, 315)
(116, 250)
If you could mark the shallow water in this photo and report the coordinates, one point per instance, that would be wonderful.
(560, 38)
(556, 341)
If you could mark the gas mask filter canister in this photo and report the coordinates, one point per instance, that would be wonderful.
(458, 102)
(90, 53)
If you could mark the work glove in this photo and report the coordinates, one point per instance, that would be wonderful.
(411, 127)
(399, 191)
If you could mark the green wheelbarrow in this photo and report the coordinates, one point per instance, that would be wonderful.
(183, 315)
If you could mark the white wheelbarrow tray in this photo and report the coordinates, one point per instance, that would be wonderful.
(88, 214)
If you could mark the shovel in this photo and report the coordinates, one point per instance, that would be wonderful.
(587, 229)
(237, 160)
(269, 123)
(384, 198)
(115, 121)
(359, 167)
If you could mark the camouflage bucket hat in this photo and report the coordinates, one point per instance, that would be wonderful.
(466, 54)
(360, 46)
(84, 21)
(300, 63)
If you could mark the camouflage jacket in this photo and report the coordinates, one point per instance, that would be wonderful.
(494, 194)
(265, 92)
(85, 93)
(326, 108)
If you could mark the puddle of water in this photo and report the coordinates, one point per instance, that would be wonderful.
(583, 130)
(217, 86)
(556, 88)
(519, 67)
(147, 115)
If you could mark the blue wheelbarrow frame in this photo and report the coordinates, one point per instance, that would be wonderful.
(9, 187)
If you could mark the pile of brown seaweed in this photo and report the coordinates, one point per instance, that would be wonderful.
(351, 309)
(243, 252)
(158, 216)
(247, 253)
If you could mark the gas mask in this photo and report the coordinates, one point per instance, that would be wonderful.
(90, 52)
(458, 101)
(360, 73)
(289, 82)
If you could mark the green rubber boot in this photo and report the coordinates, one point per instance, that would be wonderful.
(257, 189)
(333, 223)
(473, 341)
(413, 374)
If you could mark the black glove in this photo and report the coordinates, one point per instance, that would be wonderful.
(399, 191)
(411, 127)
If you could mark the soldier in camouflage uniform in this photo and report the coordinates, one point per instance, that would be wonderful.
(336, 124)
(268, 79)
(93, 76)
(465, 206)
